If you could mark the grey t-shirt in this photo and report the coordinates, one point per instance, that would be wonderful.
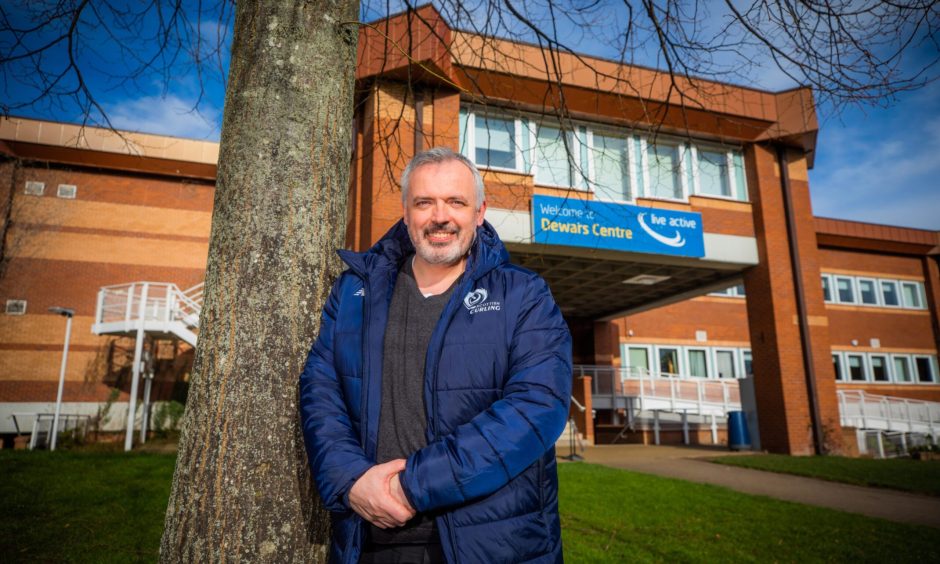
(412, 319)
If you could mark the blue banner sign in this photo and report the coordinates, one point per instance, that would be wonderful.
(619, 227)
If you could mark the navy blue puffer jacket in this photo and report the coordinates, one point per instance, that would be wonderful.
(497, 386)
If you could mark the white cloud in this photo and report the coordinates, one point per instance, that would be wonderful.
(167, 115)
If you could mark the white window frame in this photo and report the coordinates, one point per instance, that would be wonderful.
(729, 166)
(631, 165)
(836, 294)
(932, 361)
(651, 368)
(708, 363)
(743, 364)
(832, 286)
(888, 368)
(683, 182)
(680, 368)
(865, 372)
(910, 369)
(897, 289)
(877, 290)
(734, 362)
(472, 141)
(918, 291)
(840, 376)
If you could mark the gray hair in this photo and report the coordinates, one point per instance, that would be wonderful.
(439, 155)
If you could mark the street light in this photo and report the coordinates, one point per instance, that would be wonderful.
(67, 313)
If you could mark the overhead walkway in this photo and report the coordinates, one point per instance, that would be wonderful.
(158, 310)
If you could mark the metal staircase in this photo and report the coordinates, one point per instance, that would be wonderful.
(156, 309)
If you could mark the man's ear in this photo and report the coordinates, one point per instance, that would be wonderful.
(482, 212)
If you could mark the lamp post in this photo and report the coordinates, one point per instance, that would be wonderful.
(67, 313)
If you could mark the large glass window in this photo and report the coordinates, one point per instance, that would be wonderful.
(856, 367)
(495, 142)
(664, 171)
(889, 293)
(867, 292)
(552, 165)
(924, 368)
(748, 361)
(910, 292)
(724, 364)
(879, 368)
(902, 369)
(698, 363)
(610, 158)
(713, 175)
(668, 361)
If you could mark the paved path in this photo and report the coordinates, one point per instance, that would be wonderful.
(686, 463)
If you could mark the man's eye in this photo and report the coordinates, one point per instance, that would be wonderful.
(458, 203)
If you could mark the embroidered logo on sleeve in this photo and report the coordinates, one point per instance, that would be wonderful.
(475, 302)
(360, 292)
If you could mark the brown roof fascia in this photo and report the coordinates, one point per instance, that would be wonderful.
(413, 45)
(114, 161)
(858, 235)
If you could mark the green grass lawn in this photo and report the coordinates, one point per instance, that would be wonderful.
(920, 476)
(108, 507)
(82, 507)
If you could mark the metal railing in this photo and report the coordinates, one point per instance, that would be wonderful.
(161, 301)
(41, 427)
(870, 411)
(664, 391)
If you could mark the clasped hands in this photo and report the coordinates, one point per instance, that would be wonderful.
(378, 498)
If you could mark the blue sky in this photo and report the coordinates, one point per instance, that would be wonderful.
(874, 164)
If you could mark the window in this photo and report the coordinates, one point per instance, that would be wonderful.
(668, 361)
(902, 369)
(16, 307)
(664, 171)
(713, 178)
(879, 368)
(924, 368)
(910, 292)
(731, 291)
(724, 364)
(639, 360)
(867, 292)
(748, 363)
(553, 158)
(856, 364)
(889, 293)
(837, 366)
(698, 364)
(495, 142)
(845, 290)
(827, 288)
(611, 162)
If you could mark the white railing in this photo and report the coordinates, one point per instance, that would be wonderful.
(155, 301)
(869, 411)
(40, 426)
(637, 388)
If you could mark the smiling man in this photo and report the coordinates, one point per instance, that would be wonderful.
(437, 387)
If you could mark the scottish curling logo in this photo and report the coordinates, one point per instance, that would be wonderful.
(475, 302)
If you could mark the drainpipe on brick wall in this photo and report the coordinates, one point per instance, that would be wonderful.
(808, 366)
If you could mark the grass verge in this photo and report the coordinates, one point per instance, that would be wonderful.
(108, 507)
(919, 476)
(613, 515)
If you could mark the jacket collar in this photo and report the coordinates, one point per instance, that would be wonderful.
(486, 253)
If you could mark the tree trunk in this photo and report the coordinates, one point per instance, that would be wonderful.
(242, 489)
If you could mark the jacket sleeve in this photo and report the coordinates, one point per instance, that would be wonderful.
(482, 455)
(336, 458)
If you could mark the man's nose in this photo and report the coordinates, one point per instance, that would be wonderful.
(440, 213)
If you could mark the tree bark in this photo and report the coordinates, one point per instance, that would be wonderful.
(242, 488)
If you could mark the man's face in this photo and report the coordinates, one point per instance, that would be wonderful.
(441, 212)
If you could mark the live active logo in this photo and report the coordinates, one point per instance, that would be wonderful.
(566, 221)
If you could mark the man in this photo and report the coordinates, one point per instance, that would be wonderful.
(437, 387)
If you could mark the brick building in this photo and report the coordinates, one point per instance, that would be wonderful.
(676, 233)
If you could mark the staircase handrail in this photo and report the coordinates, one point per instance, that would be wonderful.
(860, 407)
